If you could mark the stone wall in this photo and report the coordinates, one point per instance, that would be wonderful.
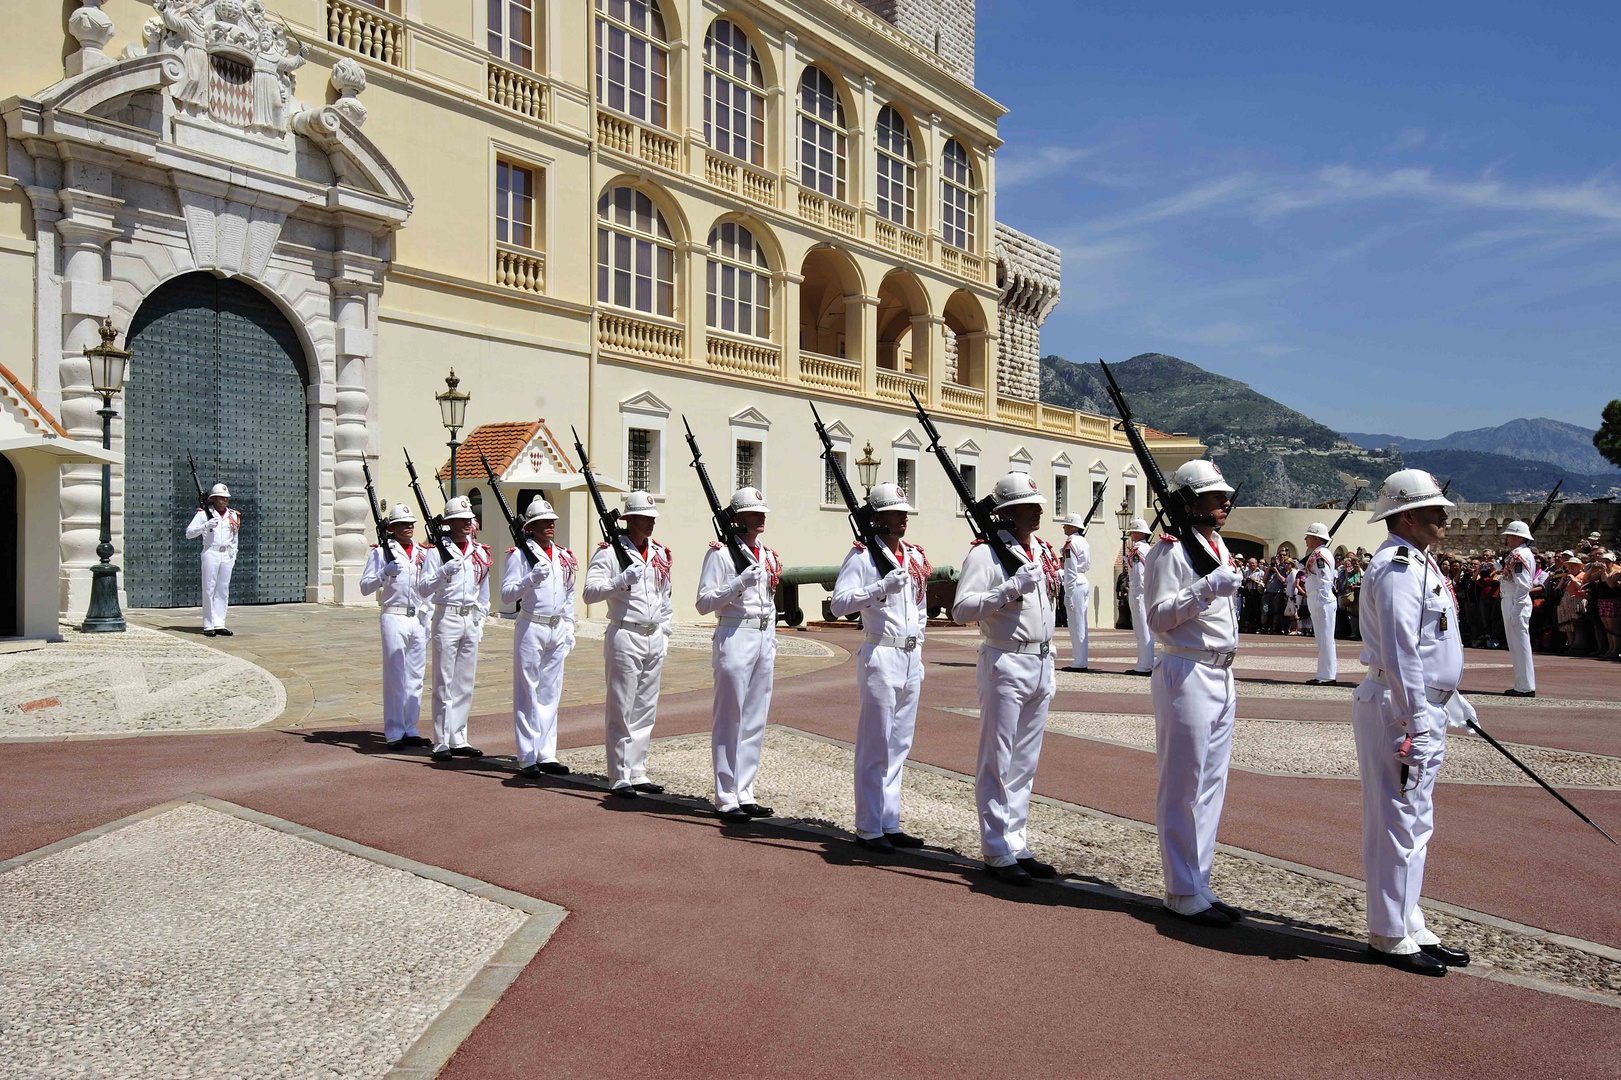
(946, 26)
(1476, 527)
(1028, 273)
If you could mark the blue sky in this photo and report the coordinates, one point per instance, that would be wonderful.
(1395, 218)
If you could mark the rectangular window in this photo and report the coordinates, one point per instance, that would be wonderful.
(830, 485)
(970, 480)
(512, 31)
(640, 471)
(1060, 495)
(747, 473)
(905, 474)
(514, 204)
(1097, 486)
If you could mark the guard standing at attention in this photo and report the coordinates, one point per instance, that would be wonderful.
(219, 526)
(1400, 714)
(889, 666)
(404, 626)
(540, 580)
(1518, 578)
(1017, 616)
(459, 593)
(636, 641)
(1319, 568)
(1136, 566)
(1077, 589)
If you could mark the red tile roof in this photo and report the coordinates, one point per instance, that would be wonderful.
(27, 395)
(502, 443)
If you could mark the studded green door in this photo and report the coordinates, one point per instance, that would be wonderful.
(217, 371)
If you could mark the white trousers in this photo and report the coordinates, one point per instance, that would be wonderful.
(217, 566)
(455, 664)
(1322, 624)
(538, 652)
(1517, 629)
(1075, 599)
(744, 662)
(1194, 705)
(405, 653)
(1396, 824)
(634, 664)
(1139, 626)
(890, 681)
(1014, 692)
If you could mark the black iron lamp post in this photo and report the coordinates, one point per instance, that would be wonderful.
(108, 366)
(1122, 614)
(867, 468)
(453, 414)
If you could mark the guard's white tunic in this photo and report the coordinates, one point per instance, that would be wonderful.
(889, 678)
(1518, 576)
(404, 630)
(1194, 703)
(744, 660)
(1015, 677)
(459, 593)
(219, 536)
(1414, 653)
(541, 641)
(1077, 592)
(1320, 602)
(633, 651)
(1136, 568)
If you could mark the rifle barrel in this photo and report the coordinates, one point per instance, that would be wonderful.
(1526, 769)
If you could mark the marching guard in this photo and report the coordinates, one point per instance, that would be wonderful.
(1400, 714)
(394, 574)
(1017, 617)
(219, 526)
(1136, 567)
(744, 657)
(1195, 624)
(1518, 578)
(1319, 567)
(459, 593)
(889, 666)
(1077, 589)
(540, 580)
(636, 641)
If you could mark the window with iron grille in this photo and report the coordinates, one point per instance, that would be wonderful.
(970, 480)
(747, 472)
(1060, 495)
(830, 484)
(897, 173)
(512, 31)
(734, 94)
(633, 60)
(640, 470)
(514, 204)
(905, 472)
(957, 198)
(822, 135)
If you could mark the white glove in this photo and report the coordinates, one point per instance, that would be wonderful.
(1222, 581)
(1029, 578)
(540, 571)
(1459, 713)
(393, 569)
(749, 578)
(893, 582)
(629, 576)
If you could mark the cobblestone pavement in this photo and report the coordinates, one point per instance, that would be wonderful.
(137, 682)
(1104, 682)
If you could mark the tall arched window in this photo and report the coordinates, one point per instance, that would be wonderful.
(633, 60)
(635, 253)
(897, 171)
(739, 282)
(821, 134)
(734, 98)
(957, 198)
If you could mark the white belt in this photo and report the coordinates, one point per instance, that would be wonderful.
(1434, 694)
(1030, 648)
(220, 547)
(542, 620)
(400, 609)
(1209, 657)
(460, 609)
(890, 641)
(646, 629)
(753, 622)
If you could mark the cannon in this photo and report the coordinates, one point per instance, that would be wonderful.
(942, 587)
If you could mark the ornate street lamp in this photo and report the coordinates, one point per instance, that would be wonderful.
(1122, 517)
(108, 365)
(453, 414)
(867, 468)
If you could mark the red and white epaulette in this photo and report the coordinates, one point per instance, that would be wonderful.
(511, 550)
(715, 545)
(858, 546)
(976, 543)
(601, 544)
(1166, 538)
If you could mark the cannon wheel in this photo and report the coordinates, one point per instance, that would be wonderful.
(794, 616)
(935, 611)
(827, 611)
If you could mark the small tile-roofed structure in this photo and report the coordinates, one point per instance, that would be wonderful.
(502, 443)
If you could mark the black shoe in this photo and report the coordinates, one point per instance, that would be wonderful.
(530, 772)
(209, 633)
(735, 816)
(649, 788)
(623, 793)
(1210, 916)
(554, 768)
(417, 740)
(1038, 869)
(1511, 692)
(441, 755)
(904, 840)
(1419, 963)
(1144, 674)
(466, 751)
(1449, 957)
(754, 809)
(878, 843)
(1011, 875)
(1077, 670)
(1317, 682)
(396, 746)
(1232, 913)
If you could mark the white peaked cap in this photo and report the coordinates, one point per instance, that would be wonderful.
(1201, 476)
(639, 504)
(889, 497)
(219, 489)
(746, 500)
(539, 510)
(400, 514)
(1074, 519)
(1138, 525)
(1016, 489)
(1518, 528)
(1407, 489)
(459, 507)
(1319, 530)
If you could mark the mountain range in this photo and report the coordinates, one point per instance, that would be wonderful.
(1566, 445)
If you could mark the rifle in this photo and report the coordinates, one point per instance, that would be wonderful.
(1350, 504)
(441, 482)
(519, 540)
(1523, 767)
(1445, 486)
(202, 500)
(383, 539)
(862, 517)
(980, 519)
(1232, 501)
(1097, 501)
(609, 519)
(1542, 515)
(433, 522)
(1178, 514)
(725, 524)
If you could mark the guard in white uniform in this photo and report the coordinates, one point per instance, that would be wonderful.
(635, 643)
(744, 657)
(1319, 568)
(1136, 569)
(889, 666)
(1400, 714)
(1016, 616)
(1518, 578)
(540, 580)
(219, 526)
(459, 593)
(394, 575)
(1195, 624)
(1077, 589)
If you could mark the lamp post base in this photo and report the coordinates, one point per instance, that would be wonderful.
(104, 615)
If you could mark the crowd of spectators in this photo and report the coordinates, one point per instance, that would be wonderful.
(1272, 599)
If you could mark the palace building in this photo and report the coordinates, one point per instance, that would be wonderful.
(607, 215)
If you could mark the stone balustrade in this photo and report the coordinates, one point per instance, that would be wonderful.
(520, 268)
(367, 30)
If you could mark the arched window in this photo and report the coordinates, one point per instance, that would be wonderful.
(633, 60)
(734, 101)
(739, 282)
(897, 171)
(957, 198)
(635, 253)
(821, 134)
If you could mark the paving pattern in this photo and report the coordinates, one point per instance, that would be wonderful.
(1103, 682)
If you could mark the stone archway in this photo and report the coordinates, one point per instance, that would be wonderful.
(10, 544)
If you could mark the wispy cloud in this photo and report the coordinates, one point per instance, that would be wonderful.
(1202, 196)
(1594, 200)
(1037, 164)
(1410, 138)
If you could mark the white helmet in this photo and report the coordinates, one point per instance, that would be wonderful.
(1200, 476)
(459, 507)
(539, 510)
(747, 500)
(889, 497)
(1016, 489)
(1518, 528)
(219, 491)
(400, 514)
(1074, 520)
(639, 504)
(1138, 525)
(1319, 530)
(1408, 489)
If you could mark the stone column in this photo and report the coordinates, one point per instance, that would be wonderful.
(929, 352)
(353, 530)
(790, 121)
(861, 327)
(787, 301)
(697, 298)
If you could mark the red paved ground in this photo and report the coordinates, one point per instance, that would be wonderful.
(696, 950)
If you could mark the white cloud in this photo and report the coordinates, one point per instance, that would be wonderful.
(1592, 199)
(1410, 138)
(1044, 161)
